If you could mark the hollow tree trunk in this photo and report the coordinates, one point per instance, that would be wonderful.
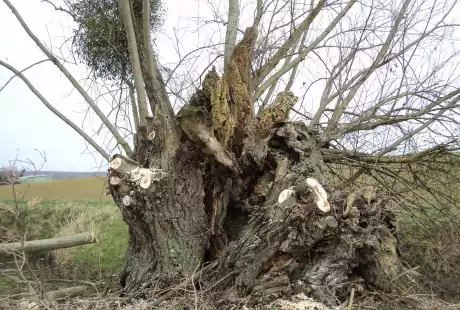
(248, 193)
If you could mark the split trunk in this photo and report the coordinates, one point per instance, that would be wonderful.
(232, 189)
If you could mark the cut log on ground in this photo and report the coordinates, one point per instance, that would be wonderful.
(66, 292)
(49, 244)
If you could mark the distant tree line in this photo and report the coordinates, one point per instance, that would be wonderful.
(9, 175)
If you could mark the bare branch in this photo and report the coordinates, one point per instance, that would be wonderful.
(232, 26)
(49, 244)
(125, 12)
(23, 70)
(74, 82)
(55, 111)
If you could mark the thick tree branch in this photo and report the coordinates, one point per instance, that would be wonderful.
(159, 100)
(132, 99)
(96, 146)
(331, 155)
(126, 16)
(232, 27)
(74, 82)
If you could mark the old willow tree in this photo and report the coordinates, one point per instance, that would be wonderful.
(231, 183)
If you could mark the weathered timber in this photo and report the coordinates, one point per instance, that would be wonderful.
(49, 244)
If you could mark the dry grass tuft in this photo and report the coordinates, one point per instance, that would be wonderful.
(434, 247)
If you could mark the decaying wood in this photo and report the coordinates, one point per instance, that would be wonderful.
(276, 112)
(238, 77)
(223, 119)
(49, 244)
(193, 123)
(120, 165)
(250, 194)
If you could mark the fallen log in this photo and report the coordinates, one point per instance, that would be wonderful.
(49, 244)
(65, 292)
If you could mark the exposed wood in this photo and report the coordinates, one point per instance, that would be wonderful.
(120, 165)
(152, 135)
(285, 195)
(232, 27)
(113, 130)
(49, 244)
(144, 177)
(127, 201)
(193, 123)
(114, 180)
(145, 181)
(321, 195)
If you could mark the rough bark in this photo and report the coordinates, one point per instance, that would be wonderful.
(215, 196)
(168, 235)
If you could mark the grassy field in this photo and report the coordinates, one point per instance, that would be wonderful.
(66, 207)
(58, 208)
(88, 189)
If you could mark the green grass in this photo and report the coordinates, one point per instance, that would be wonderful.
(60, 208)
(50, 220)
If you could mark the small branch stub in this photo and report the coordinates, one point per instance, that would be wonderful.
(286, 194)
(128, 201)
(145, 181)
(141, 176)
(114, 180)
(120, 165)
(321, 195)
(151, 136)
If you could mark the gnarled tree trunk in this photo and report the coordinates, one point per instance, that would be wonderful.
(248, 193)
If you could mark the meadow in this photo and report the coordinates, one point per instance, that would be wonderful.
(83, 189)
(67, 207)
(430, 244)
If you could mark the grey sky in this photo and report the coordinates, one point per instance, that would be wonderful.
(26, 124)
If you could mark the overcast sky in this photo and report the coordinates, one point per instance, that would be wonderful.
(26, 124)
